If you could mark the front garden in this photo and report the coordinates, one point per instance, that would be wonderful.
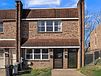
(37, 72)
(92, 70)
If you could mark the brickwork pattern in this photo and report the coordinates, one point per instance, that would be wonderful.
(9, 30)
(70, 30)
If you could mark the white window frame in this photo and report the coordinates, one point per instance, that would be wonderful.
(33, 54)
(39, 22)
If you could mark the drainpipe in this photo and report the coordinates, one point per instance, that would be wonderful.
(18, 29)
(81, 23)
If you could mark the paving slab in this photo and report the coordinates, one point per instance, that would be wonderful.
(66, 72)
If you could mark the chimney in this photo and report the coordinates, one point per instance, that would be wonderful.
(18, 28)
(81, 12)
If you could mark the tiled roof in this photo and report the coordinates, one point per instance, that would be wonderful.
(7, 43)
(51, 13)
(51, 42)
(7, 14)
(41, 13)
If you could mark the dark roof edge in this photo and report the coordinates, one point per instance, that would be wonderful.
(47, 8)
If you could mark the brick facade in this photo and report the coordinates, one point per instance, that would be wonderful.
(19, 28)
(30, 30)
(9, 31)
(95, 39)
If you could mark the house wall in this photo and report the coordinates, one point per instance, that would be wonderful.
(9, 30)
(39, 63)
(49, 63)
(95, 38)
(92, 41)
(70, 30)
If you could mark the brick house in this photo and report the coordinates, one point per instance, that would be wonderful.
(95, 39)
(51, 38)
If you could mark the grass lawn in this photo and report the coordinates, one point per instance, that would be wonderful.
(97, 73)
(92, 70)
(38, 72)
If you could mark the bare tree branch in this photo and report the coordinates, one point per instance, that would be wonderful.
(91, 21)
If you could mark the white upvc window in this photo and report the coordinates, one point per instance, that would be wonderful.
(50, 26)
(1, 27)
(36, 54)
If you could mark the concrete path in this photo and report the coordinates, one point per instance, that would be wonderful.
(66, 72)
(2, 72)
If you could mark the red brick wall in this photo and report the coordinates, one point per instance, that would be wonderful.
(9, 30)
(70, 30)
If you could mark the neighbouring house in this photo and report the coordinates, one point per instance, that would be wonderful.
(46, 38)
(95, 39)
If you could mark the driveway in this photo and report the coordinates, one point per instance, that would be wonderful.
(66, 72)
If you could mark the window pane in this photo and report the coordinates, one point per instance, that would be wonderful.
(44, 50)
(44, 53)
(36, 53)
(41, 29)
(29, 56)
(36, 56)
(29, 50)
(49, 28)
(42, 23)
(56, 28)
(49, 25)
(44, 56)
(36, 50)
(1, 27)
(49, 22)
(41, 26)
(57, 25)
(56, 22)
(1, 30)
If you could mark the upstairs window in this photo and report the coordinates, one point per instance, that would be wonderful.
(1, 27)
(49, 26)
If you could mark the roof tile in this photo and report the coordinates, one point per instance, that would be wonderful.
(51, 42)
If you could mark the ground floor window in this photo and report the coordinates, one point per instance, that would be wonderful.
(36, 54)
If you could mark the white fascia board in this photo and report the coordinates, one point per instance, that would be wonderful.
(7, 39)
(53, 47)
(50, 19)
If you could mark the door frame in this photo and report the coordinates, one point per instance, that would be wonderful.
(54, 50)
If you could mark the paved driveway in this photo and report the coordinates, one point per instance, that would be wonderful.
(66, 72)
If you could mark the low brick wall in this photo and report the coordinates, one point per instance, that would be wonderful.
(40, 64)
